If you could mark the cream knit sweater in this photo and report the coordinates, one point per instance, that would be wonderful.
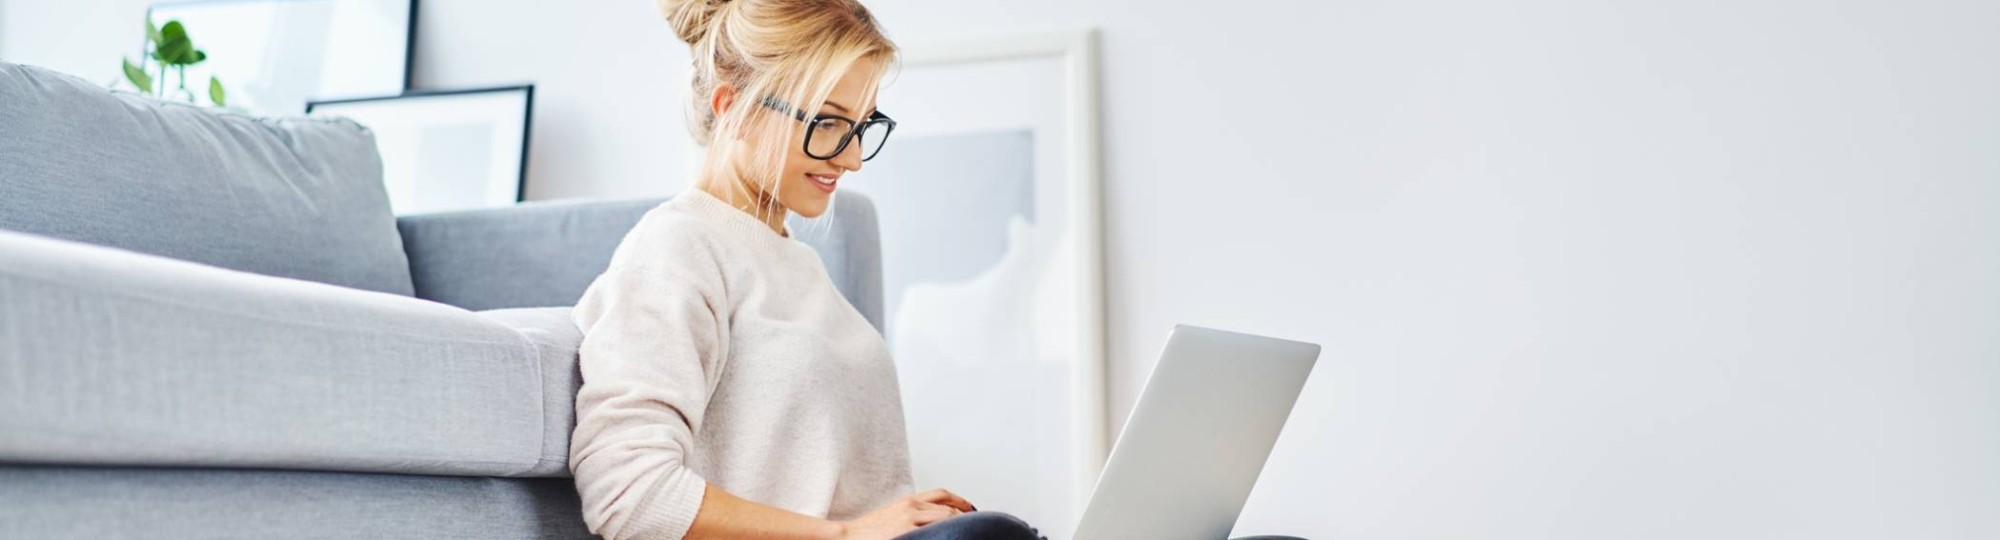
(716, 350)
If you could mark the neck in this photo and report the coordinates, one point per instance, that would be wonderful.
(758, 204)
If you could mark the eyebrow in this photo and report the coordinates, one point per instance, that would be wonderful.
(843, 108)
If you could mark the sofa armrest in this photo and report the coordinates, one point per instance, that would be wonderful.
(545, 253)
(113, 357)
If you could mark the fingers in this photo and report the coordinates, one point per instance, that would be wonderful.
(927, 513)
(947, 498)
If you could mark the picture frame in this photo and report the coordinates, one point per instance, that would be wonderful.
(445, 150)
(969, 109)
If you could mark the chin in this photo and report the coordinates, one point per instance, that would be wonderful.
(811, 207)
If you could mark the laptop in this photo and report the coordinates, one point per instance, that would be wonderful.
(1198, 437)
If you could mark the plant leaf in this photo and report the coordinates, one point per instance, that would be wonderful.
(199, 56)
(175, 48)
(138, 77)
(175, 51)
(152, 31)
(172, 31)
(215, 92)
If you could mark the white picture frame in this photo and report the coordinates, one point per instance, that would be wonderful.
(1061, 67)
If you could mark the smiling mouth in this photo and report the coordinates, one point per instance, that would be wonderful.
(825, 182)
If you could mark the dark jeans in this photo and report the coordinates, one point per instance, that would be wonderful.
(996, 526)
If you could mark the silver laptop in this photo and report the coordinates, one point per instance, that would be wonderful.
(1198, 437)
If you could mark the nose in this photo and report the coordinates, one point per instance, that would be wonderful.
(849, 158)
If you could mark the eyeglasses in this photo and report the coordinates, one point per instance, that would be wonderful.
(827, 135)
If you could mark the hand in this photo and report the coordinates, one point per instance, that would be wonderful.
(904, 515)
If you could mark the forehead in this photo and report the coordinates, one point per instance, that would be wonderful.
(854, 88)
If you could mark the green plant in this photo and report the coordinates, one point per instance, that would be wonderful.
(170, 47)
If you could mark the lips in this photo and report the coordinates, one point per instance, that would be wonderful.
(823, 182)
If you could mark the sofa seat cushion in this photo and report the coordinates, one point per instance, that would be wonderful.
(111, 357)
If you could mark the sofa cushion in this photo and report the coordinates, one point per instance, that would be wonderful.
(291, 197)
(111, 357)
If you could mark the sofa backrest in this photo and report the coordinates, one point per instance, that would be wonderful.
(290, 197)
(545, 253)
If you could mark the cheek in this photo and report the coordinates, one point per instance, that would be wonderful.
(795, 152)
(797, 163)
(796, 168)
(794, 181)
(796, 160)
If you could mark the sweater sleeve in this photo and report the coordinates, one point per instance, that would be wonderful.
(654, 338)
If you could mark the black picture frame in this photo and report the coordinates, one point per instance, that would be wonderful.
(527, 117)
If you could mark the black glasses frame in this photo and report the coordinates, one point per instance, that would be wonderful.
(888, 126)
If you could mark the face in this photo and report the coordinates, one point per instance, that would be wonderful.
(806, 185)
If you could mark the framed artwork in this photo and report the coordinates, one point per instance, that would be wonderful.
(272, 56)
(988, 196)
(446, 150)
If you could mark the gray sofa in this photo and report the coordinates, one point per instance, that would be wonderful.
(211, 326)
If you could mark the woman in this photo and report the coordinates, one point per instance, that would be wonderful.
(729, 391)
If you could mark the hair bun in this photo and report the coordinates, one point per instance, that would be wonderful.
(690, 18)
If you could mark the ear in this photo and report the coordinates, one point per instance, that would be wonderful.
(721, 99)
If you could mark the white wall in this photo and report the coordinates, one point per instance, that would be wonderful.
(81, 37)
(1583, 269)
(607, 74)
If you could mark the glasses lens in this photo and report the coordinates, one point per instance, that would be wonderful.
(824, 135)
(873, 136)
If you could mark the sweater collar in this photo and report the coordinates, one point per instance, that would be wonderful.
(721, 212)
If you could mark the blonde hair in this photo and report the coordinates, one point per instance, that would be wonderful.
(793, 51)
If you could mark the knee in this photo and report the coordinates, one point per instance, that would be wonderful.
(993, 526)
